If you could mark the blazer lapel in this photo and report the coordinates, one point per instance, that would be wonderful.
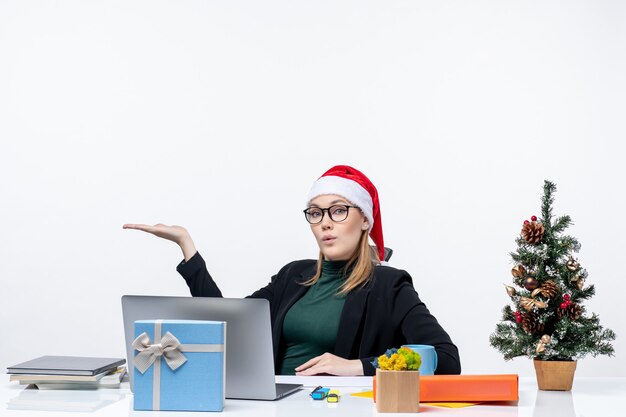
(350, 322)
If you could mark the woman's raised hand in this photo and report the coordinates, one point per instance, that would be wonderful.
(176, 234)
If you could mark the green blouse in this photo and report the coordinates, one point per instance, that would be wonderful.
(311, 324)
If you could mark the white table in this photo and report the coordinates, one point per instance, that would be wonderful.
(590, 397)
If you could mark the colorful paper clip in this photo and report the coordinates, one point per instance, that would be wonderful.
(333, 396)
(319, 393)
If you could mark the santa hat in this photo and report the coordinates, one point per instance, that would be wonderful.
(353, 185)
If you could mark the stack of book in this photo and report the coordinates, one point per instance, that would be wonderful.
(69, 372)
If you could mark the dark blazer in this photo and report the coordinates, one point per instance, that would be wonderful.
(385, 313)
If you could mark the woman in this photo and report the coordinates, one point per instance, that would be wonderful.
(336, 314)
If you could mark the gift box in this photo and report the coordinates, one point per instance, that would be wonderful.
(179, 365)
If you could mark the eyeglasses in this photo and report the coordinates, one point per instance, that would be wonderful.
(337, 213)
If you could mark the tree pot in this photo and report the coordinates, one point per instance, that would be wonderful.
(397, 391)
(555, 375)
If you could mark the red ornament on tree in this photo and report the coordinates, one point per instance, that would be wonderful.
(533, 218)
(526, 222)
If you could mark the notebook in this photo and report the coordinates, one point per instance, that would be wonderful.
(65, 365)
(249, 352)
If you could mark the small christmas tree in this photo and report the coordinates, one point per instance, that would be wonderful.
(548, 320)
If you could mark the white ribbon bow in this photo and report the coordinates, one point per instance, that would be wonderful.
(169, 348)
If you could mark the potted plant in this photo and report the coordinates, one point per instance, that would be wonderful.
(397, 383)
(548, 321)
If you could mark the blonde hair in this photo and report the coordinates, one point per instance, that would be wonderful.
(361, 266)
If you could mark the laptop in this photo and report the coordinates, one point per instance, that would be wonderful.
(249, 353)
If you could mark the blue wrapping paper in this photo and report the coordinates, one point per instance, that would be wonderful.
(195, 385)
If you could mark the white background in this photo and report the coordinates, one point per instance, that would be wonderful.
(219, 115)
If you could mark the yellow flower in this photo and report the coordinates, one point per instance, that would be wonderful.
(404, 359)
(383, 362)
(392, 361)
(400, 364)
